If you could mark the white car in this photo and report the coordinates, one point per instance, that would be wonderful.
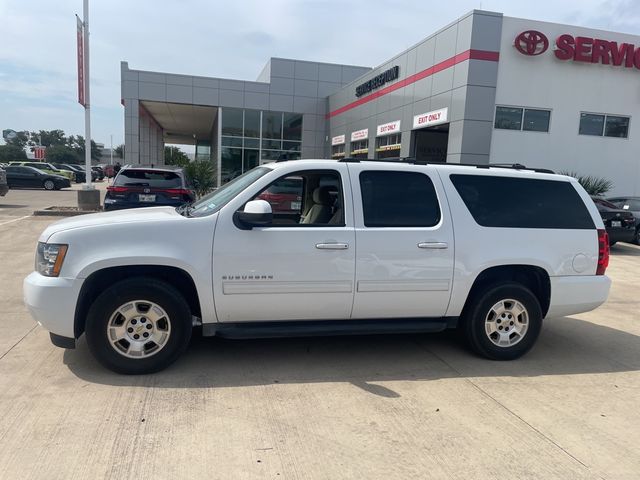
(371, 247)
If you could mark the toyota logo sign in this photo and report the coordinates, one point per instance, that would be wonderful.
(532, 42)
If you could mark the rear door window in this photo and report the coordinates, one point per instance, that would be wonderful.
(148, 178)
(398, 199)
(497, 201)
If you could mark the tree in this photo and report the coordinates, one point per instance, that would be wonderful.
(119, 151)
(21, 140)
(9, 153)
(47, 138)
(201, 173)
(61, 154)
(175, 156)
(595, 186)
(77, 142)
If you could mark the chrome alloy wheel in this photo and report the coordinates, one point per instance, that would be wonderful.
(506, 323)
(138, 329)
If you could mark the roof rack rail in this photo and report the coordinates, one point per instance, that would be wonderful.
(349, 160)
(515, 166)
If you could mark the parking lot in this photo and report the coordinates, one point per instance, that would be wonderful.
(405, 406)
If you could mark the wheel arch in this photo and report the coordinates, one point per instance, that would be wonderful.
(533, 277)
(101, 279)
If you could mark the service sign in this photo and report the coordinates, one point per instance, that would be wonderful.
(360, 135)
(388, 128)
(430, 119)
(337, 140)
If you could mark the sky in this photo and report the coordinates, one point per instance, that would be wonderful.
(229, 39)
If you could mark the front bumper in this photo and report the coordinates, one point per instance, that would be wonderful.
(52, 302)
(577, 294)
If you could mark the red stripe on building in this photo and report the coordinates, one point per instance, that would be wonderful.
(448, 63)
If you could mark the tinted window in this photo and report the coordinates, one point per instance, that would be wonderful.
(508, 118)
(398, 199)
(496, 201)
(616, 126)
(536, 120)
(148, 178)
(591, 124)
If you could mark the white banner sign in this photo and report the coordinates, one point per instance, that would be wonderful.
(338, 140)
(388, 128)
(431, 118)
(360, 135)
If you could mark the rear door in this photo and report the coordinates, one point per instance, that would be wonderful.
(404, 238)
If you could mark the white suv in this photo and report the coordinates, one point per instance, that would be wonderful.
(371, 247)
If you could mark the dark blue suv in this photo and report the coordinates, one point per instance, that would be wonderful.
(136, 187)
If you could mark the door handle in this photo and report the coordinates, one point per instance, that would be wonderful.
(332, 246)
(433, 245)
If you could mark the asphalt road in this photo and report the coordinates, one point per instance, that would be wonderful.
(387, 407)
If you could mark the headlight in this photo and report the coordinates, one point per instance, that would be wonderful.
(49, 258)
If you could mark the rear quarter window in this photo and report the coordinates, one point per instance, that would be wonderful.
(511, 202)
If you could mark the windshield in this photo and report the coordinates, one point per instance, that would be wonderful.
(215, 200)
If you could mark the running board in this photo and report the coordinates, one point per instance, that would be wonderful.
(313, 328)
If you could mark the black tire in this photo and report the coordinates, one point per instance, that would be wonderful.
(138, 288)
(49, 185)
(477, 312)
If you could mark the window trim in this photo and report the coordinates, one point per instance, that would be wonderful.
(524, 109)
(604, 124)
(341, 197)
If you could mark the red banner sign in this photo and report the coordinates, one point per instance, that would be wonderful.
(38, 153)
(80, 64)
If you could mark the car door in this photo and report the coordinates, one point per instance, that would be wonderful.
(17, 177)
(301, 267)
(404, 238)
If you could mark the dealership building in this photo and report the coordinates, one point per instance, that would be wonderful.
(484, 89)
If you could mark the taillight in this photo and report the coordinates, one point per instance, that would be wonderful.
(603, 252)
(117, 189)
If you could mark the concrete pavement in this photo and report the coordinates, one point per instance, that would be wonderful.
(409, 406)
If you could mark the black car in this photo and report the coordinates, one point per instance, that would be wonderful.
(620, 224)
(80, 169)
(148, 187)
(29, 177)
(79, 176)
(99, 173)
(630, 204)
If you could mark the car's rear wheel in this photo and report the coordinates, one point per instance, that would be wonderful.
(49, 185)
(503, 321)
(140, 325)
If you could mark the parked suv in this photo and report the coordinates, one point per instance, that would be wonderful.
(378, 247)
(148, 187)
(631, 204)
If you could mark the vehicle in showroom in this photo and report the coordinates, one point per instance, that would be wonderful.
(405, 247)
(19, 176)
(4, 186)
(620, 224)
(630, 204)
(46, 168)
(136, 187)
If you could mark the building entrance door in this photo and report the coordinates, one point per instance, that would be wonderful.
(430, 144)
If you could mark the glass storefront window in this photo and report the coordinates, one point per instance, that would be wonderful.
(272, 144)
(231, 163)
(272, 125)
(292, 126)
(252, 123)
(231, 142)
(232, 122)
(291, 146)
(251, 143)
(250, 159)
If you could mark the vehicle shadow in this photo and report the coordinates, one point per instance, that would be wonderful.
(5, 205)
(566, 346)
(625, 249)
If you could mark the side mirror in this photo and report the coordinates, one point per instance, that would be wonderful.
(256, 213)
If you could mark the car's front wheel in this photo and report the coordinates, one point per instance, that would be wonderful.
(503, 321)
(140, 325)
(49, 185)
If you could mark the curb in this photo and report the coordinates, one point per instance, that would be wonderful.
(53, 212)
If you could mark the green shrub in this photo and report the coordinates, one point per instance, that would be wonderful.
(202, 175)
(596, 186)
